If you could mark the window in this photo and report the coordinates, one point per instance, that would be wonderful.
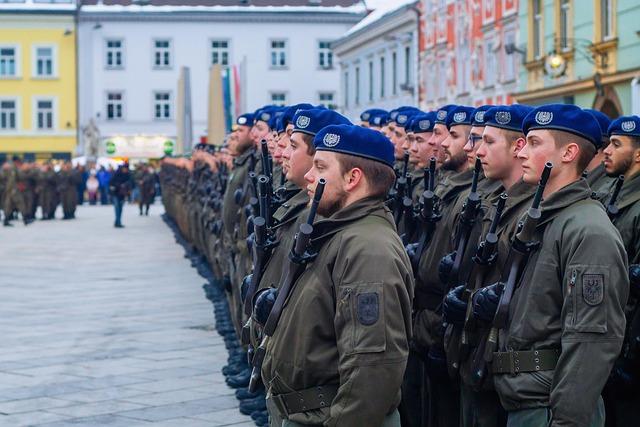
(220, 52)
(606, 19)
(8, 62)
(8, 114)
(394, 73)
(407, 65)
(509, 59)
(44, 114)
(565, 13)
(443, 79)
(537, 28)
(325, 56)
(346, 89)
(382, 77)
(162, 105)
(115, 106)
(370, 81)
(115, 55)
(279, 98)
(44, 56)
(431, 81)
(326, 99)
(278, 54)
(490, 68)
(162, 54)
(357, 85)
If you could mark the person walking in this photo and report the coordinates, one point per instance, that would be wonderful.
(93, 186)
(120, 188)
(104, 176)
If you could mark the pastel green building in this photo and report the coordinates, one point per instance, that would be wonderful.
(585, 52)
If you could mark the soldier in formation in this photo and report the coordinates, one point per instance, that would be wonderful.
(457, 267)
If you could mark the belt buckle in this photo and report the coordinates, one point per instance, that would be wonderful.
(514, 362)
(280, 405)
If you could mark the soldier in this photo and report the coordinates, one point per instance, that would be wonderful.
(68, 180)
(14, 192)
(565, 320)
(346, 326)
(47, 189)
(597, 179)
(420, 152)
(399, 135)
(622, 157)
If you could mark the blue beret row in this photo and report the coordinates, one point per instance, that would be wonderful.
(356, 141)
(625, 125)
(508, 117)
(566, 118)
(379, 119)
(311, 121)
(366, 115)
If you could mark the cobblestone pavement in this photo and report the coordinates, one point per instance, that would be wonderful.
(109, 327)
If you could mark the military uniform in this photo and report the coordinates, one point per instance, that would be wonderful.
(67, 183)
(47, 193)
(13, 196)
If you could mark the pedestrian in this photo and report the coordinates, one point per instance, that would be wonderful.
(146, 183)
(120, 189)
(93, 187)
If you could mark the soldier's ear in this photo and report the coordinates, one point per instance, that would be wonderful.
(353, 178)
(518, 145)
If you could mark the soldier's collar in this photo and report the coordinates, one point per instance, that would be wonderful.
(566, 196)
(326, 227)
(630, 191)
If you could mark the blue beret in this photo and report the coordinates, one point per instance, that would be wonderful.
(273, 121)
(442, 112)
(603, 120)
(460, 115)
(565, 118)
(245, 119)
(379, 119)
(625, 125)
(509, 117)
(405, 114)
(264, 114)
(477, 117)
(311, 121)
(421, 123)
(356, 141)
(291, 111)
(366, 114)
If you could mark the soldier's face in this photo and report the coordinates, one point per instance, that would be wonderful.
(259, 131)
(474, 141)
(440, 133)
(621, 155)
(406, 146)
(243, 136)
(421, 152)
(539, 149)
(298, 159)
(495, 154)
(385, 131)
(327, 166)
(398, 139)
(453, 146)
(277, 151)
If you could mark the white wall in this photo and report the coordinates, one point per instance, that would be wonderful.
(191, 47)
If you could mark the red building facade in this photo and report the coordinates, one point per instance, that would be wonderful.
(467, 54)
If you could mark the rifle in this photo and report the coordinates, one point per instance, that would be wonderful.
(407, 212)
(429, 215)
(485, 257)
(612, 209)
(522, 245)
(397, 192)
(298, 258)
(266, 161)
(467, 221)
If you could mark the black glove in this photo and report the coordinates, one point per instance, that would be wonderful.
(264, 301)
(454, 308)
(485, 302)
(445, 267)
(634, 279)
(436, 363)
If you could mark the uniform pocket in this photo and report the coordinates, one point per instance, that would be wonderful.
(361, 308)
(587, 292)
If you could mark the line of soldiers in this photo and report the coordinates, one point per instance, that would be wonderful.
(25, 185)
(465, 266)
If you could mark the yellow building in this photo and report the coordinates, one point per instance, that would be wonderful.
(38, 113)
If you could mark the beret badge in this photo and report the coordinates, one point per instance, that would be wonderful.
(377, 121)
(302, 122)
(424, 124)
(479, 117)
(242, 120)
(628, 126)
(393, 115)
(365, 116)
(503, 117)
(265, 117)
(459, 117)
(402, 118)
(331, 139)
(442, 114)
(544, 117)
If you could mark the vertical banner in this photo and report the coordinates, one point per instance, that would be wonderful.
(237, 102)
(228, 104)
(179, 149)
(216, 113)
(188, 112)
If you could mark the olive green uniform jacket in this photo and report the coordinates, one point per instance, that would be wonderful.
(598, 180)
(347, 321)
(571, 298)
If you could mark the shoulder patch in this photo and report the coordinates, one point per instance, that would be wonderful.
(593, 288)
(368, 308)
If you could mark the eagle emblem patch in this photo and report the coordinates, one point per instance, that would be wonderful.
(593, 288)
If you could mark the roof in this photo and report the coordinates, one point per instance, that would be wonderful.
(209, 3)
(384, 10)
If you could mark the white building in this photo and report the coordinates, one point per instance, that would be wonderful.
(378, 60)
(130, 56)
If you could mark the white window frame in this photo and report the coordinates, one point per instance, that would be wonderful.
(508, 11)
(154, 103)
(220, 51)
(609, 23)
(512, 58)
(278, 92)
(18, 61)
(35, 111)
(488, 5)
(490, 55)
(564, 24)
(331, 105)
(155, 49)
(122, 53)
(285, 49)
(54, 61)
(106, 106)
(537, 21)
(328, 55)
(16, 100)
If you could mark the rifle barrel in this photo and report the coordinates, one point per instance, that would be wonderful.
(541, 185)
(316, 200)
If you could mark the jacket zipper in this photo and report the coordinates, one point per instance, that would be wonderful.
(572, 292)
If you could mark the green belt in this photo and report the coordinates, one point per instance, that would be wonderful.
(304, 400)
(515, 362)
